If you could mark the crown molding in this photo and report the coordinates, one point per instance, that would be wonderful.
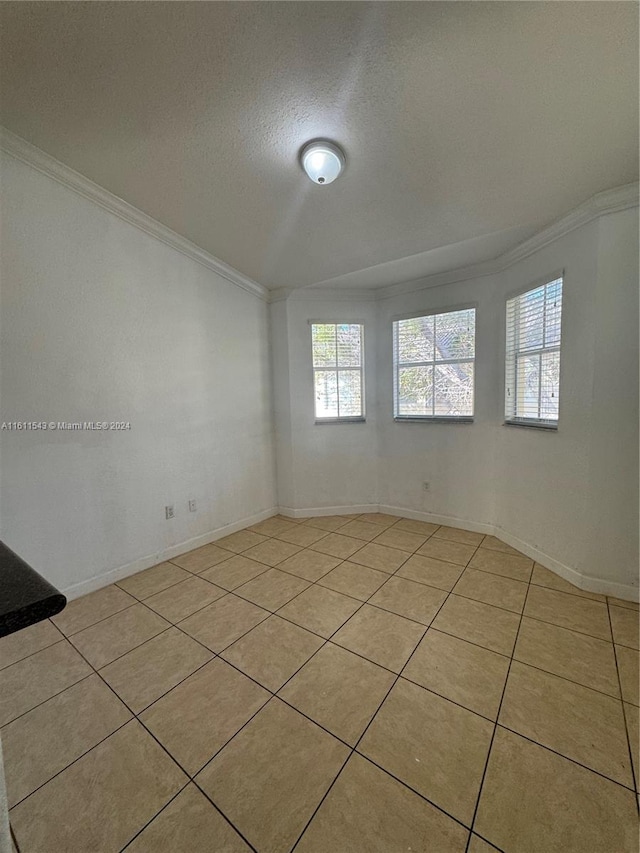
(22, 150)
(609, 201)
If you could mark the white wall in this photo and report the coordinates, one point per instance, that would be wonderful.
(321, 465)
(102, 322)
(569, 497)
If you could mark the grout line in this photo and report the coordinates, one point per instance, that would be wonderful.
(495, 727)
(636, 782)
(140, 831)
(44, 701)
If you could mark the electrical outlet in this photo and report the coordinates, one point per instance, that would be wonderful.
(426, 486)
(168, 512)
(192, 506)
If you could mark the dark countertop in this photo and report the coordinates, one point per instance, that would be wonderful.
(25, 596)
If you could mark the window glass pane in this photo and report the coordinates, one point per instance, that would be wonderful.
(326, 391)
(415, 391)
(553, 313)
(455, 335)
(415, 339)
(350, 393)
(549, 385)
(348, 345)
(454, 389)
(530, 325)
(527, 379)
(324, 344)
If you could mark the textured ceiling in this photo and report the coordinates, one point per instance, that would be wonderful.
(471, 123)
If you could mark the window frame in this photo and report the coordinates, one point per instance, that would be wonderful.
(442, 419)
(522, 422)
(351, 419)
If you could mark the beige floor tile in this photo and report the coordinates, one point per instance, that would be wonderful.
(302, 534)
(337, 545)
(367, 810)
(423, 528)
(578, 657)
(534, 800)
(280, 765)
(339, 690)
(624, 623)
(408, 598)
(320, 610)
(234, 572)
(89, 609)
(479, 845)
(328, 522)
(568, 611)
(632, 719)
(195, 719)
(439, 749)
(577, 722)
(184, 598)
(457, 534)
(273, 589)
(44, 741)
(201, 558)
(273, 526)
(628, 668)
(223, 622)
(144, 674)
(189, 824)
(380, 518)
(380, 557)
(401, 539)
(450, 552)
(102, 800)
(361, 530)
(240, 541)
(310, 565)
(153, 580)
(479, 623)
(460, 671)
(271, 652)
(357, 581)
(492, 589)
(27, 683)
(107, 640)
(28, 641)
(508, 565)
(273, 551)
(544, 577)
(431, 572)
(379, 636)
(498, 545)
(622, 602)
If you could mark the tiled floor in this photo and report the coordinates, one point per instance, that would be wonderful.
(354, 683)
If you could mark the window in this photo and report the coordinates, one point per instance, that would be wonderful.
(433, 361)
(532, 386)
(337, 371)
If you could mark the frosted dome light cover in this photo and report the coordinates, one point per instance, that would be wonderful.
(322, 161)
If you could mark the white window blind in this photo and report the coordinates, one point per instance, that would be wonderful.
(433, 360)
(532, 374)
(337, 371)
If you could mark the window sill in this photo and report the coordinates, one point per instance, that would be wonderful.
(532, 425)
(399, 419)
(340, 421)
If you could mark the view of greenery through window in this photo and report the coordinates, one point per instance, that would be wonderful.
(434, 365)
(337, 370)
(532, 389)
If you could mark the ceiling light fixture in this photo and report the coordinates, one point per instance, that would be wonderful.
(322, 161)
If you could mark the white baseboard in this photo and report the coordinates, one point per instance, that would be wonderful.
(117, 574)
(603, 586)
(310, 512)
